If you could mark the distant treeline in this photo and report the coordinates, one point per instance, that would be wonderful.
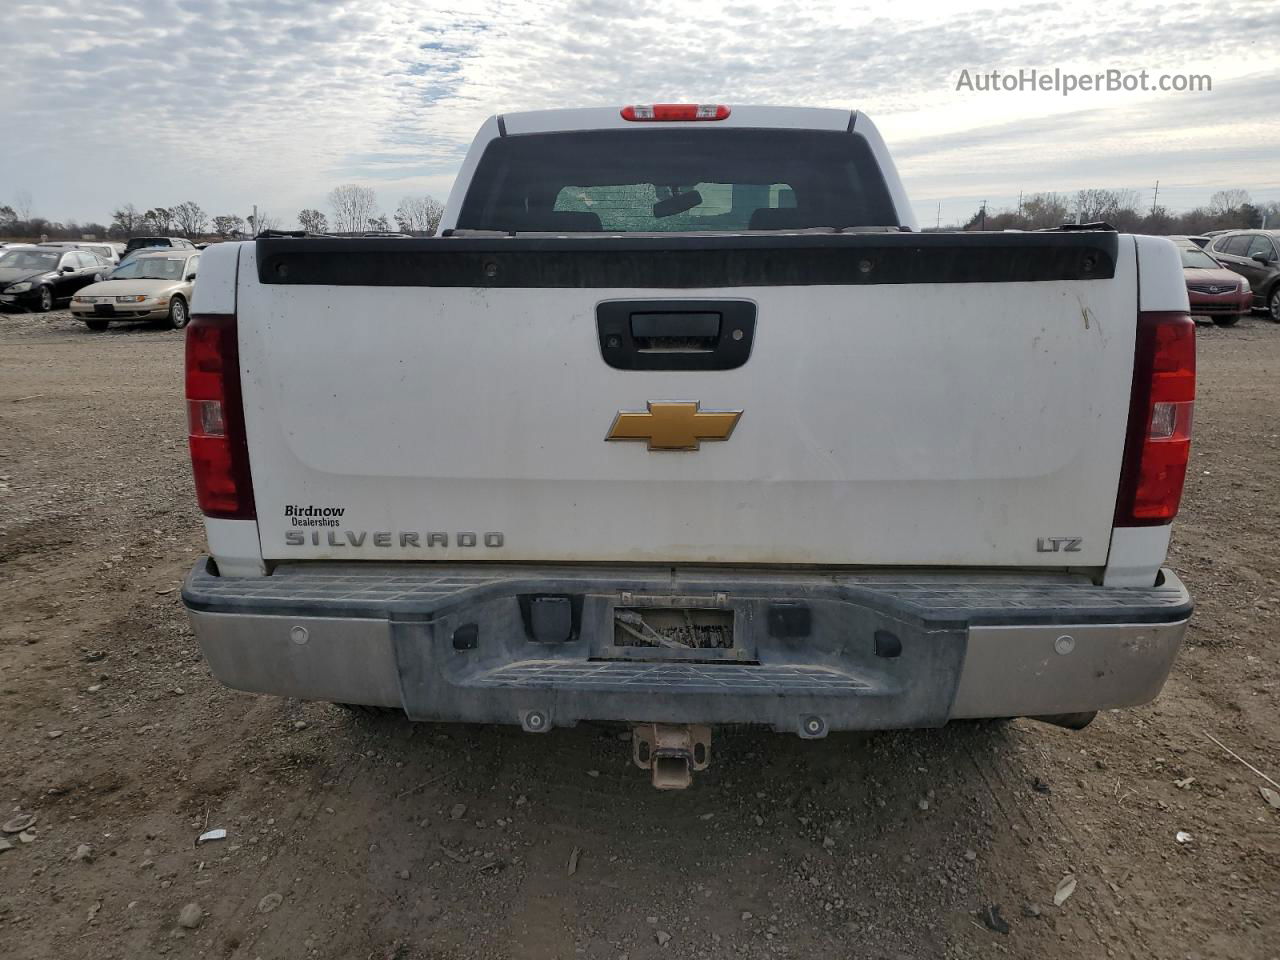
(1227, 210)
(355, 210)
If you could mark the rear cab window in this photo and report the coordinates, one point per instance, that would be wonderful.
(630, 208)
(677, 180)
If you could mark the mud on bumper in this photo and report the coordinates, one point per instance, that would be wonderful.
(809, 652)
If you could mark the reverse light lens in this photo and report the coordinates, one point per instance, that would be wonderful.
(205, 418)
(1170, 421)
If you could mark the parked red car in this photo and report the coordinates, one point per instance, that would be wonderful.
(1214, 291)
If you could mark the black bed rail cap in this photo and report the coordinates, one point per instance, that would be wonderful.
(1079, 227)
(689, 261)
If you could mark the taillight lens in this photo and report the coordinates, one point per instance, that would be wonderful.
(215, 419)
(661, 112)
(1158, 444)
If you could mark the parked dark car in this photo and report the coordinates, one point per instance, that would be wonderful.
(1214, 291)
(37, 278)
(1253, 255)
(136, 243)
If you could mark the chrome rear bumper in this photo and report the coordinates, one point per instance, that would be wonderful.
(866, 651)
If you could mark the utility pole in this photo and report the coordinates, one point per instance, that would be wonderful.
(938, 224)
(984, 216)
(255, 219)
(1154, 197)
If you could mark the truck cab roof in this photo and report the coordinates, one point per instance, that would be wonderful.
(604, 118)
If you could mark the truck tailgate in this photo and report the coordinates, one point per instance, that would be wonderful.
(924, 423)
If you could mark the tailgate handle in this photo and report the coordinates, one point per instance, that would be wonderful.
(676, 334)
(675, 331)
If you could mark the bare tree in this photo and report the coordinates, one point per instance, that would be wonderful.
(312, 220)
(264, 221)
(227, 224)
(1158, 221)
(22, 204)
(353, 207)
(160, 220)
(126, 220)
(1100, 204)
(1228, 201)
(1044, 210)
(420, 214)
(191, 218)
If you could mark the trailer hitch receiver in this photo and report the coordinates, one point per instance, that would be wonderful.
(671, 751)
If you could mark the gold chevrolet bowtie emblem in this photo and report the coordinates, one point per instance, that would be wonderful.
(673, 424)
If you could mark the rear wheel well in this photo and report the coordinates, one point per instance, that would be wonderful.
(1272, 291)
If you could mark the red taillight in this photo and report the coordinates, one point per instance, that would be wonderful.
(215, 419)
(1158, 444)
(675, 111)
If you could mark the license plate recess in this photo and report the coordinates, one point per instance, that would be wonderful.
(656, 627)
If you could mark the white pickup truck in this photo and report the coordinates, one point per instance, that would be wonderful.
(680, 422)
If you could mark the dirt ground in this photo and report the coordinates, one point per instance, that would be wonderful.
(375, 838)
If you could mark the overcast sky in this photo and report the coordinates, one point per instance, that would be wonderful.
(274, 102)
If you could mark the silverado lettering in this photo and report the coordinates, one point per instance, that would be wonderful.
(389, 538)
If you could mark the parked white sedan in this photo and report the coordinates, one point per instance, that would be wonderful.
(153, 286)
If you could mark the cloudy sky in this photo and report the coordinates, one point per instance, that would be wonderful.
(274, 102)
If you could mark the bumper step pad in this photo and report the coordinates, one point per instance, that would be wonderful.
(783, 680)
